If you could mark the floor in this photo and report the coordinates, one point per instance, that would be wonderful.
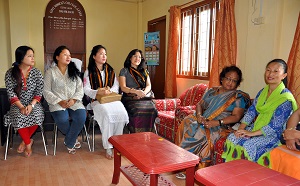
(83, 168)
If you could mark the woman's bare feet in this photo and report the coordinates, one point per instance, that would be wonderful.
(21, 147)
(28, 149)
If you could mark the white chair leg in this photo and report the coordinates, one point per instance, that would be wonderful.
(44, 142)
(7, 141)
(87, 137)
(55, 140)
(93, 134)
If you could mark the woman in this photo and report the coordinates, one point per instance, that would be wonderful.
(100, 79)
(24, 85)
(264, 121)
(64, 92)
(218, 109)
(136, 87)
(292, 132)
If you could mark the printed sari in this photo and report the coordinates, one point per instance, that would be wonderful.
(194, 137)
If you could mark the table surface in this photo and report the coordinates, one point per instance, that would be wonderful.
(242, 172)
(153, 154)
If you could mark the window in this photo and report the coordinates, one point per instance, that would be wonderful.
(198, 24)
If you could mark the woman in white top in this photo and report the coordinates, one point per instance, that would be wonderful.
(63, 91)
(100, 79)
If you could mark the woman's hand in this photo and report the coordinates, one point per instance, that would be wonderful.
(201, 119)
(104, 91)
(290, 144)
(289, 134)
(24, 110)
(63, 103)
(211, 123)
(140, 94)
(240, 133)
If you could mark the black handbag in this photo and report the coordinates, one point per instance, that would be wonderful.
(282, 140)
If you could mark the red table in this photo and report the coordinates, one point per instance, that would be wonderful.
(151, 155)
(242, 172)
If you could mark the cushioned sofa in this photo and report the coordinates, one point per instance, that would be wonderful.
(172, 111)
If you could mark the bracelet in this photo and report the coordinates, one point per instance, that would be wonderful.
(221, 122)
(293, 128)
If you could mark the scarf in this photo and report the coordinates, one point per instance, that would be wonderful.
(266, 106)
(96, 79)
(139, 77)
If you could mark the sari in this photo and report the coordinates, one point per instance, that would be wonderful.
(268, 115)
(141, 112)
(194, 137)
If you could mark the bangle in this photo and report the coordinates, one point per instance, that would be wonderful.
(293, 128)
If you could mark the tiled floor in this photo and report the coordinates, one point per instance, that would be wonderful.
(83, 168)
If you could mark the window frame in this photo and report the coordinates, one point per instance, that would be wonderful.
(214, 6)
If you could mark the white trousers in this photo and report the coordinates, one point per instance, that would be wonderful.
(111, 118)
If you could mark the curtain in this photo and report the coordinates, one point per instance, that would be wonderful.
(225, 47)
(294, 65)
(173, 42)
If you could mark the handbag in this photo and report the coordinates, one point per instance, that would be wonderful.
(282, 140)
(108, 98)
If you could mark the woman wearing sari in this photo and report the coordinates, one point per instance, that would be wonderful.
(219, 108)
(264, 122)
(136, 87)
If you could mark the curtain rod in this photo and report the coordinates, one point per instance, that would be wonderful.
(185, 4)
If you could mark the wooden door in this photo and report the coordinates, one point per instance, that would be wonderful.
(157, 73)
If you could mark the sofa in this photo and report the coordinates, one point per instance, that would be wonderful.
(172, 111)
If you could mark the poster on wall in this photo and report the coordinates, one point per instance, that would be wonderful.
(151, 40)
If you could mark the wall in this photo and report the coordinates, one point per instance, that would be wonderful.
(257, 44)
(113, 24)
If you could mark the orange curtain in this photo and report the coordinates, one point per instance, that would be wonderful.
(294, 65)
(173, 42)
(225, 48)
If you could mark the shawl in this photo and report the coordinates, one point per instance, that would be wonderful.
(266, 106)
(96, 79)
(139, 77)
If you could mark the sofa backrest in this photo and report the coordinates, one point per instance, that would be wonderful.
(193, 95)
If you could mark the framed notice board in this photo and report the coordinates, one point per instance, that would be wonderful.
(65, 24)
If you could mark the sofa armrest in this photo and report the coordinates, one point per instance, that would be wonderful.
(167, 104)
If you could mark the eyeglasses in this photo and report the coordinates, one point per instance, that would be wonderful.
(230, 80)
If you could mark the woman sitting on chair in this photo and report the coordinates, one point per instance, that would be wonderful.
(64, 92)
(219, 108)
(100, 79)
(136, 86)
(24, 85)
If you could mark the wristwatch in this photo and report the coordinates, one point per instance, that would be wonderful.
(221, 122)
(32, 105)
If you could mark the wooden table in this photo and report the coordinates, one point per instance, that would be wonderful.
(242, 172)
(151, 155)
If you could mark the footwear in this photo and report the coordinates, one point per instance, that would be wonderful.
(21, 147)
(71, 151)
(181, 176)
(77, 145)
(109, 154)
(28, 149)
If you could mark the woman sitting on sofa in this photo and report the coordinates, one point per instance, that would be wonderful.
(264, 121)
(218, 109)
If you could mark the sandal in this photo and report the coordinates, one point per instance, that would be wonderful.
(28, 149)
(109, 154)
(71, 151)
(21, 147)
(181, 176)
(77, 145)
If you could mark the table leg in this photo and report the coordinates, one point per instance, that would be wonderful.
(190, 176)
(153, 179)
(117, 165)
